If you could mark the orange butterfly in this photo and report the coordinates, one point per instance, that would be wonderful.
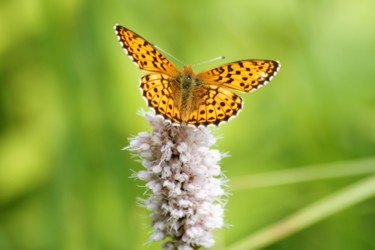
(183, 97)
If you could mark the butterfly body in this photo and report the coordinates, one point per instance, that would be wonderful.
(190, 92)
(186, 98)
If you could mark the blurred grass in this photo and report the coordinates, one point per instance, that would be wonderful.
(69, 98)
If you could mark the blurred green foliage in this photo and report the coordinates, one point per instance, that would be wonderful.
(69, 99)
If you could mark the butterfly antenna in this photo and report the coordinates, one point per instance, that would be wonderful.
(211, 60)
(169, 54)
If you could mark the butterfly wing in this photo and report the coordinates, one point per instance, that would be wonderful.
(143, 53)
(246, 75)
(217, 105)
(159, 91)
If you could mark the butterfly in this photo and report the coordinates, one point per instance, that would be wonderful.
(185, 98)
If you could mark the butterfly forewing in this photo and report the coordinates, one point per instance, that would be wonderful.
(143, 53)
(246, 75)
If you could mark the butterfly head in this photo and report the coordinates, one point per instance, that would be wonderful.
(187, 79)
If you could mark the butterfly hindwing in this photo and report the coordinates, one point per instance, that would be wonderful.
(217, 105)
(159, 93)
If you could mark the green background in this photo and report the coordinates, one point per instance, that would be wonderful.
(69, 99)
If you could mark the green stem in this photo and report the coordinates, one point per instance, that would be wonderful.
(309, 215)
(303, 174)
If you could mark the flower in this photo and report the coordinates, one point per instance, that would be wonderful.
(185, 180)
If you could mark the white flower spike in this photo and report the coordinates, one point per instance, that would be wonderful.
(185, 180)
